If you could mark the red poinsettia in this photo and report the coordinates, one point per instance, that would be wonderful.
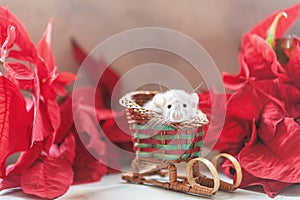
(262, 129)
(30, 119)
(105, 87)
(36, 117)
(257, 57)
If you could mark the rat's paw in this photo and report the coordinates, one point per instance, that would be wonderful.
(201, 117)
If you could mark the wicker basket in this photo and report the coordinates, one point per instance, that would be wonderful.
(166, 145)
(175, 142)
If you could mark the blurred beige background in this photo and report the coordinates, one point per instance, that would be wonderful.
(216, 24)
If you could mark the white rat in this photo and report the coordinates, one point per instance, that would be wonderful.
(176, 106)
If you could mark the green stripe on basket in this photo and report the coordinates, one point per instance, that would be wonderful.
(166, 156)
(199, 144)
(201, 133)
(186, 156)
(188, 136)
(171, 146)
(166, 137)
(141, 136)
(168, 146)
(141, 145)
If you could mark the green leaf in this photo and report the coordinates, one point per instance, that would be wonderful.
(272, 30)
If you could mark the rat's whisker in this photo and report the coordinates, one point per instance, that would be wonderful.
(194, 90)
(151, 123)
(160, 88)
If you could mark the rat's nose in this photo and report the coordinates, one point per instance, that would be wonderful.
(177, 116)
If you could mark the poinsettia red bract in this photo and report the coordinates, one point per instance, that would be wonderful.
(36, 118)
(261, 129)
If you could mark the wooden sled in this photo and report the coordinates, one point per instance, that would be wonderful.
(193, 182)
(163, 146)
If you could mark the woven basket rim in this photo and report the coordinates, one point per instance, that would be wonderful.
(130, 94)
(127, 102)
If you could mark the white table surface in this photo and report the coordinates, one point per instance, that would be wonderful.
(112, 187)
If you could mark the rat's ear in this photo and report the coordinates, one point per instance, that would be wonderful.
(194, 99)
(159, 100)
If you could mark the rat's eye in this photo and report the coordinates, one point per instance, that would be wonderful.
(184, 105)
(169, 106)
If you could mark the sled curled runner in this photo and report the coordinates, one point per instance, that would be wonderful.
(162, 146)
